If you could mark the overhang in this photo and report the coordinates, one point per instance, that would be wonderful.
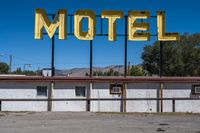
(101, 79)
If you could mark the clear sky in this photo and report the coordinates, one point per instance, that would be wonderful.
(17, 31)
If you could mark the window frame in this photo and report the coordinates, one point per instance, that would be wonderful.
(81, 88)
(0, 105)
(193, 90)
(41, 94)
(116, 85)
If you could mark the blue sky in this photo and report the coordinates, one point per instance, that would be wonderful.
(17, 31)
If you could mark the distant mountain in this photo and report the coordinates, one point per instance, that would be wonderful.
(82, 71)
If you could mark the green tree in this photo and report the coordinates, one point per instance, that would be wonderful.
(116, 73)
(180, 58)
(28, 73)
(86, 74)
(110, 72)
(99, 73)
(4, 68)
(137, 71)
(18, 71)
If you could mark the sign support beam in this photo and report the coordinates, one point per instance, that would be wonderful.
(53, 54)
(91, 55)
(125, 48)
(161, 74)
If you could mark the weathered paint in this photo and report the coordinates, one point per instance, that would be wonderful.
(101, 90)
(142, 90)
(180, 91)
(98, 90)
(67, 90)
(19, 90)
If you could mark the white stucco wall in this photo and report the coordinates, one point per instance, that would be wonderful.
(101, 90)
(180, 90)
(67, 90)
(141, 90)
(23, 91)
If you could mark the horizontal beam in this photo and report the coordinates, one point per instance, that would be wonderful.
(101, 79)
(100, 99)
(98, 16)
(72, 34)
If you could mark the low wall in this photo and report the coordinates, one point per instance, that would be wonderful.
(99, 90)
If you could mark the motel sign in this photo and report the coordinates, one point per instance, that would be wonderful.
(134, 27)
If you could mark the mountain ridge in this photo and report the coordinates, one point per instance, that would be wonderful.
(82, 71)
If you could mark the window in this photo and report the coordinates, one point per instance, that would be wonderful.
(116, 88)
(41, 90)
(80, 91)
(195, 90)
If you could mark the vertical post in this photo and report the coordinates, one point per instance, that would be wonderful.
(50, 91)
(89, 90)
(122, 101)
(101, 26)
(122, 104)
(91, 55)
(124, 96)
(10, 65)
(52, 58)
(161, 74)
(52, 72)
(52, 55)
(125, 48)
(158, 101)
(173, 105)
(161, 97)
(70, 24)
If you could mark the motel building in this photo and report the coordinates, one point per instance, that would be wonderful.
(100, 94)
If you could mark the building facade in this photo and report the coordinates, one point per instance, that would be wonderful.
(149, 94)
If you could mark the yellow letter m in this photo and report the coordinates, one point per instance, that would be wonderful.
(41, 20)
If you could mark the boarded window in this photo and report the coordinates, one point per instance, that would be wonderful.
(41, 90)
(116, 88)
(80, 91)
(195, 90)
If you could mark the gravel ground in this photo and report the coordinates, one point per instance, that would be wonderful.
(67, 122)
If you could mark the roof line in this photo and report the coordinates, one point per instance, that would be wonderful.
(101, 79)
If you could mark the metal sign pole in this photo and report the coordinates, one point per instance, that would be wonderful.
(91, 54)
(161, 74)
(52, 54)
(125, 48)
(161, 58)
(125, 35)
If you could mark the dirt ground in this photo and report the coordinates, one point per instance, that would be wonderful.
(66, 122)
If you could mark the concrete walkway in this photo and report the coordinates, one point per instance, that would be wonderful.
(66, 122)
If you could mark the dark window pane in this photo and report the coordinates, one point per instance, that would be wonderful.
(41, 90)
(80, 91)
